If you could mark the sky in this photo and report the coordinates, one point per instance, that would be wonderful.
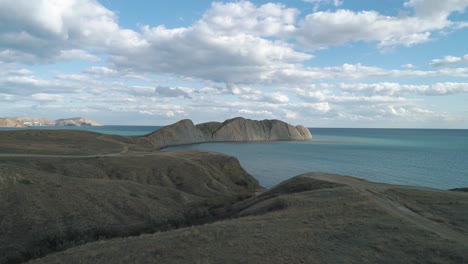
(320, 63)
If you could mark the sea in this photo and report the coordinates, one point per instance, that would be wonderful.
(436, 158)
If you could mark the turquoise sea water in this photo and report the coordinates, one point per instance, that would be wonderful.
(431, 158)
(423, 157)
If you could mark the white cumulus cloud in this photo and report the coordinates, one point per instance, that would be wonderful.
(449, 60)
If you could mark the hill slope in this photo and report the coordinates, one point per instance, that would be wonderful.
(313, 218)
(49, 204)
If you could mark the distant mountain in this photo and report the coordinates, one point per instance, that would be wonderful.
(25, 121)
(76, 121)
(236, 129)
(10, 122)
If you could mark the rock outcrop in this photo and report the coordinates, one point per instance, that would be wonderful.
(10, 122)
(236, 129)
(180, 133)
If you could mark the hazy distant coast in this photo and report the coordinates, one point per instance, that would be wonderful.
(34, 121)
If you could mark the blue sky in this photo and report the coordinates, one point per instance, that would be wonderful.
(321, 63)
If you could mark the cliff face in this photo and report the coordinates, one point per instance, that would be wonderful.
(240, 129)
(180, 133)
(10, 122)
(236, 129)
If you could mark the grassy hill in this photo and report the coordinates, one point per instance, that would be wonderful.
(314, 218)
(83, 197)
(48, 204)
(68, 142)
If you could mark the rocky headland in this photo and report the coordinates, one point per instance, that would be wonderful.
(237, 129)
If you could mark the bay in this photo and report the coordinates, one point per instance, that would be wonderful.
(436, 158)
(419, 157)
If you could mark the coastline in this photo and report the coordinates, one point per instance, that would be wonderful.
(123, 193)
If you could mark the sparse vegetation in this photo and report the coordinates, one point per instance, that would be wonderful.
(202, 207)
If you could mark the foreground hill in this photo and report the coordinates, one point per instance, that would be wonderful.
(236, 129)
(313, 218)
(49, 204)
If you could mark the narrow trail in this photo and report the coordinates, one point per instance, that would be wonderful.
(376, 192)
(123, 152)
(124, 145)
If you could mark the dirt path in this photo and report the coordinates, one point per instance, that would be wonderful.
(376, 192)
(123, 152)
(124, 145)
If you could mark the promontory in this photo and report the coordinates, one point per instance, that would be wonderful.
(236, 129)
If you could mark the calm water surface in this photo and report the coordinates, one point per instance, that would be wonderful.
(424, 157)
(431, 158)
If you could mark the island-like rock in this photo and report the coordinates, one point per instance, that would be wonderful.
(236, 129)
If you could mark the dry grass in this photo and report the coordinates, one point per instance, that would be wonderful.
(143, 208)
(50, 204)
(66, 142)
(316, 226)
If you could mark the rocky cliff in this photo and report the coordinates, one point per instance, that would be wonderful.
(236, 129)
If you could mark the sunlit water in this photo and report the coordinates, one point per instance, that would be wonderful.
(432, 158)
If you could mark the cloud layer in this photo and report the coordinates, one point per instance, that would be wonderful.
(238, 58)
